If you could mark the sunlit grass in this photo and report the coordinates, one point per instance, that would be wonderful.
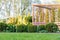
(29, 36)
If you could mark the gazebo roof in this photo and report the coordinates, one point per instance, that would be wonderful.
(47, 5)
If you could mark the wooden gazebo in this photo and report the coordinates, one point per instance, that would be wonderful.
(43, 7)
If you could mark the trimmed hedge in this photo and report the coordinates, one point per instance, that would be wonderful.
(11, 28)
(3, 27)
(32, 28)
(26, 28)
(7, 27)
(22, 28)
(42, 29)
(51, 27)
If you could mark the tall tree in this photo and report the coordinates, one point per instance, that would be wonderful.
(24, 5)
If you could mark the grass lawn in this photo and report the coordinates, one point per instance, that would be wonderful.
(29, 36)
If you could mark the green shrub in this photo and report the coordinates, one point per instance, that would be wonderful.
(22, 28)
(3, 27)
(26, 28)
(29, 18)
(32, 28)
(11, 28)
(51, 27)
(42, 29)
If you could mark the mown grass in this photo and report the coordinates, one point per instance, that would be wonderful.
(29, 36)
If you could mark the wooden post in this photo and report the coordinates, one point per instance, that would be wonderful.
(32, 13)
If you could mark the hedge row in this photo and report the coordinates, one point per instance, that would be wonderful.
(50, 27)
(7, 27)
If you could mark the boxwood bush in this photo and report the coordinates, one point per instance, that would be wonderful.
(42, 29)
(3, 27)
(51, 27)
(32, 28)
(22, 28)
(11, 28)
(26, 28)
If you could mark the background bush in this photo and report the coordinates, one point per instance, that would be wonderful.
(26, 28)
(32, 28)
(22, 28)
(51, 27)
(3, 27)
(11, 28)
(42, 29)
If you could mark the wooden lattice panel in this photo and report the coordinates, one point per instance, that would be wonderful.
(45, 13)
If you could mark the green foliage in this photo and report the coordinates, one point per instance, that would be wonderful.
(51, 27)
(25, 4)
(22, 28)
(11, 28)
(3, 26)
(32, 28)
(42, 29)
(26, 28)
(29, 19)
